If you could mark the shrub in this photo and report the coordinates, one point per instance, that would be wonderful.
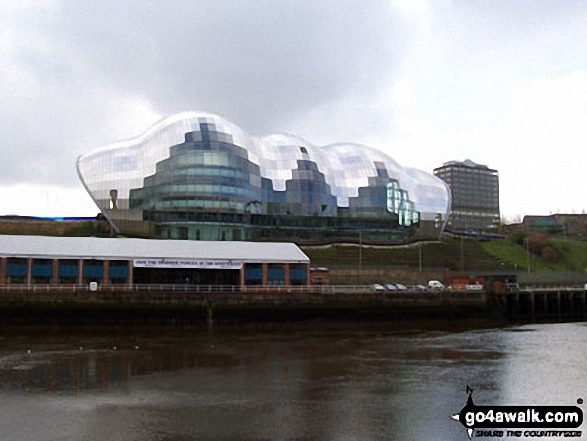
(550, 255)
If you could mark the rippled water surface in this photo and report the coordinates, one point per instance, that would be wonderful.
(296, 381)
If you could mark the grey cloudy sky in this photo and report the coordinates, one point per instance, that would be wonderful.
(503, 83)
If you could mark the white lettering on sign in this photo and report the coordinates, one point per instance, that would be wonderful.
(197, 264)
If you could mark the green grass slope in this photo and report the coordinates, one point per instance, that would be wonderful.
(553, 255)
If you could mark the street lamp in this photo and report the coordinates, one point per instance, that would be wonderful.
(360, 249)
(462, 255)
(527, 239)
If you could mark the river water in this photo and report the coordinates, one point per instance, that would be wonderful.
(290, 381)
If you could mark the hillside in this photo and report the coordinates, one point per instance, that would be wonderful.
(466, 254)
(549, 254)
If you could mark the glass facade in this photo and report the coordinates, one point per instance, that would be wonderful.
(199, 177)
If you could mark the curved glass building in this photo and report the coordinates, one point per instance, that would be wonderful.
(198, 176)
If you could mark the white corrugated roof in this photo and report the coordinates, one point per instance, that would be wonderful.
(51, 247)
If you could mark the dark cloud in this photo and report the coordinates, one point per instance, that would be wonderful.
(257, 62)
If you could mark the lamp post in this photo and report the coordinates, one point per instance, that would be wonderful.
(462, 255)
(527, 239)
(359, 272)
(360, 250)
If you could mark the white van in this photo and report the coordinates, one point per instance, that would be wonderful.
(435, 285)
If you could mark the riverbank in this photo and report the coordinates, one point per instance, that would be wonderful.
(137, 305)
(169, 307)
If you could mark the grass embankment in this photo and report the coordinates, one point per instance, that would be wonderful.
(460, 254)
(448, 254)
(552, 255)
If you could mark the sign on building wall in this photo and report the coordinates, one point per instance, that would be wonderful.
(196, 264)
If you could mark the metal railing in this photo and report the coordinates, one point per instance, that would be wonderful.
(182, 288)
(252, 289)
(205, 295)
(550, 288)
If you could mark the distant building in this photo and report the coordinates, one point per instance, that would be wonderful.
(559, 224)
(544, 224)
(475, 196)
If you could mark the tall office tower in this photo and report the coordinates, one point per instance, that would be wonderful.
(475, 196)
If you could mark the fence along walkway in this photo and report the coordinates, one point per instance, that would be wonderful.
(105, 288)
(360, 295)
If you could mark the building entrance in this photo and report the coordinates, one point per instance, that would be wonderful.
(186, 276)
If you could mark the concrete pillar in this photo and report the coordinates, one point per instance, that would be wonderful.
(2, 270)
(286, 280)
(106, 272)
(129, 279)
(242, 275)
(29, 271)
(264, 266)
(80, 271)
(55, 272)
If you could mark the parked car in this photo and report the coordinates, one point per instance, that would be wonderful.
(435, 285)
(400, 287)
(417, 288)
(377, 287)
(391, 287)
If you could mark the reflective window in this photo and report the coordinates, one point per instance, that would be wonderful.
(195, 163)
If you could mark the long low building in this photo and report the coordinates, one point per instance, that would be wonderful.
(82, 260)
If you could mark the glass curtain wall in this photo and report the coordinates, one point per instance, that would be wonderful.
(199, 177)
